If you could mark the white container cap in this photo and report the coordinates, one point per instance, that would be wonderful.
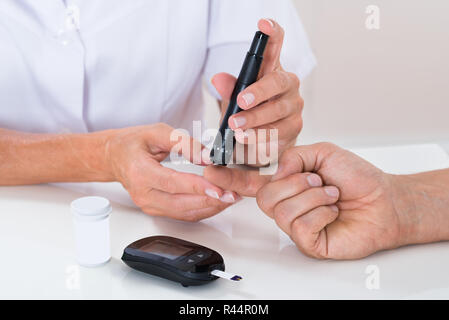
(91, 208)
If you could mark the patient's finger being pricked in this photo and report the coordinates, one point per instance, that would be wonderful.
(272, 193)
(309, 231)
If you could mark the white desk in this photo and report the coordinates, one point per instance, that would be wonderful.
(37, 256)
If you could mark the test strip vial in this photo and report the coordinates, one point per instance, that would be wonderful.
(91, 229)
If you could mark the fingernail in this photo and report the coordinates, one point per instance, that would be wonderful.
(334, 208)
(314, 180)
(248, 98)
(239, 121)
(227, 197)
(331, 191)
(212, 193)
(205, 156)
(270, 22)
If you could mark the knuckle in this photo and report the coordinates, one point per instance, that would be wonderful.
(326, 146)
(294, 80)
(298, 124)
(309, 251)
(303, 242)
(280, 110)
(290, 154)
(261, 199)
(299, 102)
(280, 213)
(281, 80)
(300, 226)
(299, 180)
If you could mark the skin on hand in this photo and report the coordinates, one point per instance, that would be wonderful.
(272, 102)
(133, 157)
(335, 205)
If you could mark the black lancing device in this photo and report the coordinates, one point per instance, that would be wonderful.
(222, 150)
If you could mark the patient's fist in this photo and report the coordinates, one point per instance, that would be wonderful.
(332, 203)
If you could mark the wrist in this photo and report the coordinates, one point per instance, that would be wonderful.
(93, 153)
(422, 210)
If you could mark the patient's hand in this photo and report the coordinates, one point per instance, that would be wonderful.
(336, 205)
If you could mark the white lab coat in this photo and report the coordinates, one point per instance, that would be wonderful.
(88, 65)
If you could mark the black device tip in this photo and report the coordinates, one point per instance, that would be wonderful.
(259, 43)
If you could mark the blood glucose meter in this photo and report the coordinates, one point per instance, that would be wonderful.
(177, 260)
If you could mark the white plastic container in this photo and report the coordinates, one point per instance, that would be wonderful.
(91, 224)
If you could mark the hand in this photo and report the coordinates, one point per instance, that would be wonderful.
(273, 102)
(332, 203)
(133, 156)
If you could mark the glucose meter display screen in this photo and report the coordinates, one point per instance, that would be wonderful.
(165, 249)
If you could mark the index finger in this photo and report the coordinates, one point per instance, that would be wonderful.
(274, 46)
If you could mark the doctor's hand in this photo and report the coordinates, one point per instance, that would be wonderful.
(133, 156)
(272, 102)
(336, 205)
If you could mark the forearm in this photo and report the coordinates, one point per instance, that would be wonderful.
(40, 158)
(422, 200)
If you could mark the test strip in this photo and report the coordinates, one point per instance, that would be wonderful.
(225, 275)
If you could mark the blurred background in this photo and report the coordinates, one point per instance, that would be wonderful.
(375, 87)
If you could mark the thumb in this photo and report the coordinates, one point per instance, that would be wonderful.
(178, 141)
(224, 84)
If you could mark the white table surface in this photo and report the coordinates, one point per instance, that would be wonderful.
(38, 259)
